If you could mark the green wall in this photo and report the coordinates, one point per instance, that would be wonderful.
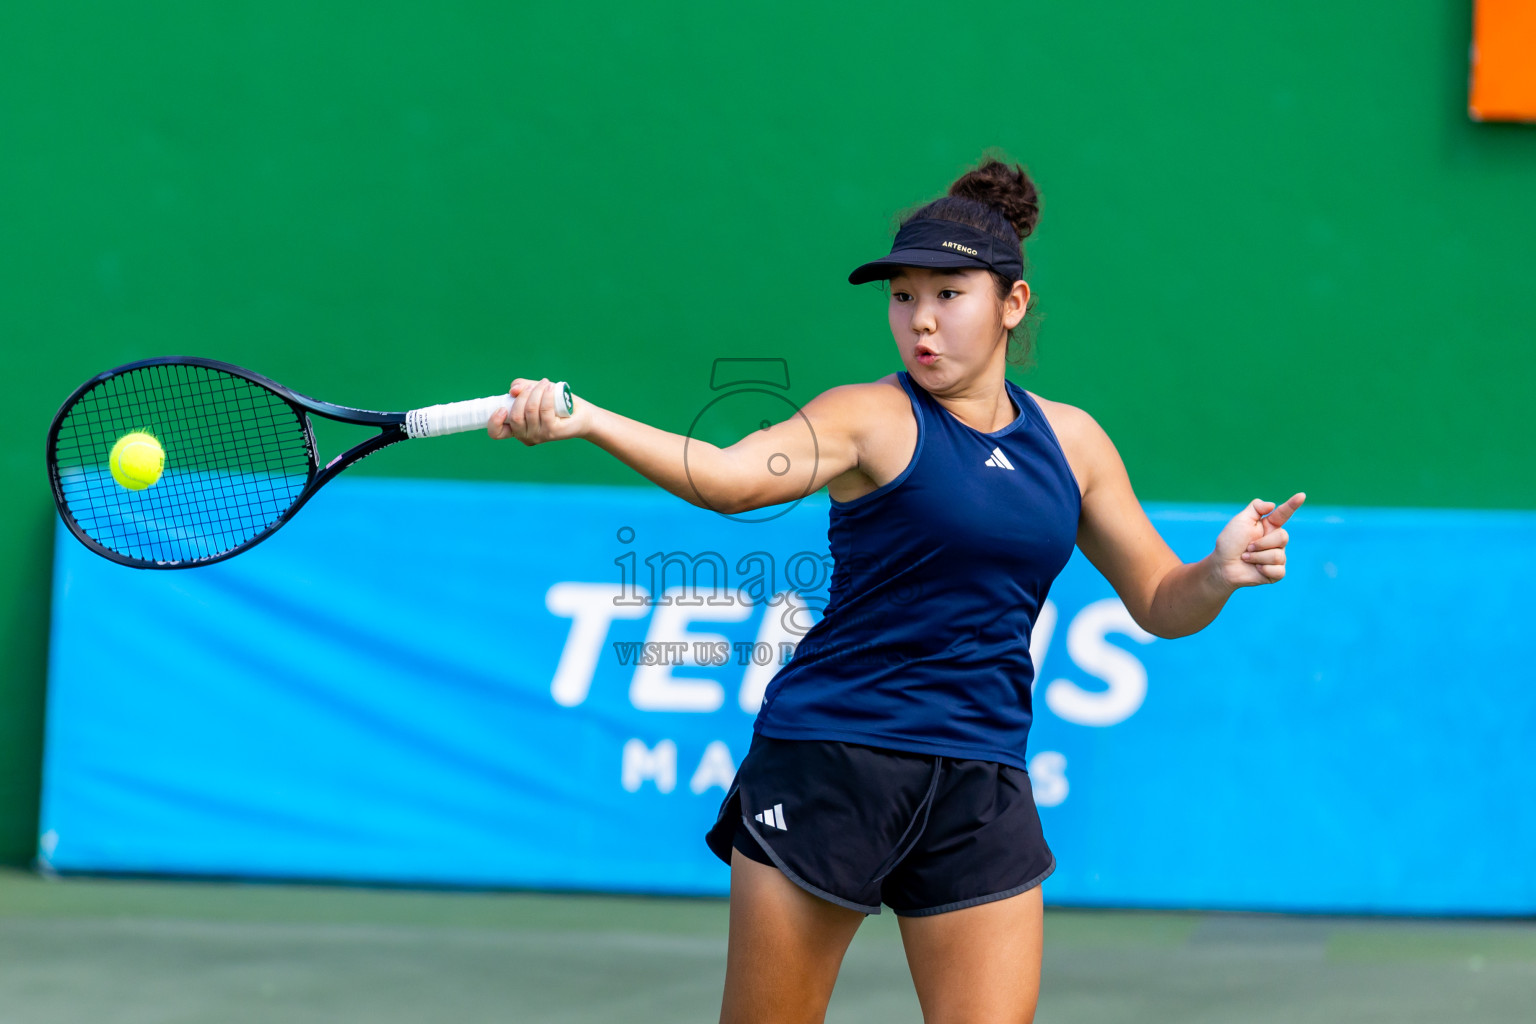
(1275, 252)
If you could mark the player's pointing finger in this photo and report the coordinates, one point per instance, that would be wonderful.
(1279, 516)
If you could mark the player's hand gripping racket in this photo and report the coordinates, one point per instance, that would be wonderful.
(177, 462)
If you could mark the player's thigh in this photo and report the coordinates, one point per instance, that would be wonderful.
(785, 948)
(978, 964)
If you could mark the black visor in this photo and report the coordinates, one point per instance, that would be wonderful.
(944, 244)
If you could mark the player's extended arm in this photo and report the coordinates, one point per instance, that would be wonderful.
(780, 463)
(1168, 597)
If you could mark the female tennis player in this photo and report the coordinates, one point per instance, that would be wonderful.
(887, 763)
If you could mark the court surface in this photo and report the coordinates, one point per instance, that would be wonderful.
(116, 951)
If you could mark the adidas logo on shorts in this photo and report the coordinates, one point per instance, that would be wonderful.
(773, 817)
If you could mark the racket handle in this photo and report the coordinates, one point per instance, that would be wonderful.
(475, 414)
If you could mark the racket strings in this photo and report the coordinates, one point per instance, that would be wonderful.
(201, 496)
(237, 456)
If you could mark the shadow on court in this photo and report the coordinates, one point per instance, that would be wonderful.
(115, 952)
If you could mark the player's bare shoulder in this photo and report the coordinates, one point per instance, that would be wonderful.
(875, 407)
(867, 397)
(879, 419)
(1082, 439)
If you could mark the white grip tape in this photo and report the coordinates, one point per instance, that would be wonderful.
(475, 414)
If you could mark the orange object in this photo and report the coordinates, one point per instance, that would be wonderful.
(1504, 61)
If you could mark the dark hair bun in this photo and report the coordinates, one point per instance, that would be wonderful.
(1004, 187)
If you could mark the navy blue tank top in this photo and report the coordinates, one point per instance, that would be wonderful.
(937, 579)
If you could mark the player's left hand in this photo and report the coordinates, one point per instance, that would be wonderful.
(1251, 548)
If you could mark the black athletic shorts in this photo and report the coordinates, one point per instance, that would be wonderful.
(861, 826)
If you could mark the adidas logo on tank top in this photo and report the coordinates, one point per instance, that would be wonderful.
(999, 459)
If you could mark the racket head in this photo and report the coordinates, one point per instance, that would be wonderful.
(239, 461)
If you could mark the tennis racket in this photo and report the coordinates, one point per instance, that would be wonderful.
(239, 457)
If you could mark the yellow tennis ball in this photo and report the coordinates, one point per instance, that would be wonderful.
(137, 460)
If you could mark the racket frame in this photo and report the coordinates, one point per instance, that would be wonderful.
(391, 431)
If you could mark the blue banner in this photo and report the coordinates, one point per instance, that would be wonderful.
(550, 687)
